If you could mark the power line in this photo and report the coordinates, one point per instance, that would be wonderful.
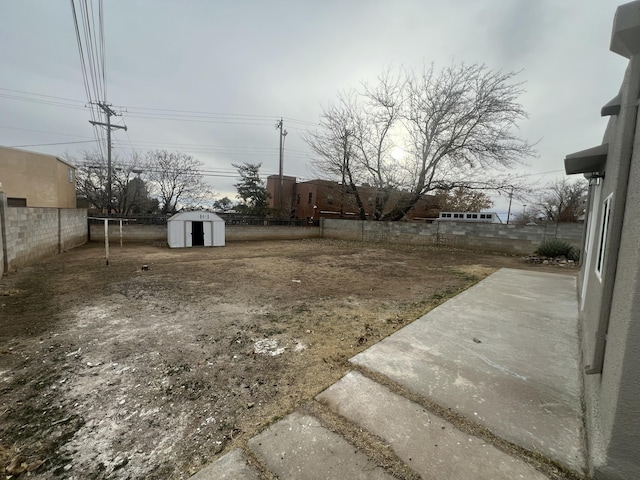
(45, 144)
(43, 131)
(42, 101)
(225, 148)
(42, 95)
(148, 112)
(90, 62)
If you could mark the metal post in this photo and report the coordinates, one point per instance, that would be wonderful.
(109, 179)
(106, 239)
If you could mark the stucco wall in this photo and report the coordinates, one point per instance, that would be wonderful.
(612, 302)
(44, 180)
(497, 237)
(610, 297)
(620, 387)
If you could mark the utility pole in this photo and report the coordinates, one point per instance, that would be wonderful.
(283, 133)
(106, 108)
(510, 199)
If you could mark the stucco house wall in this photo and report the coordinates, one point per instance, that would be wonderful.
(42, 180)
(609, 281)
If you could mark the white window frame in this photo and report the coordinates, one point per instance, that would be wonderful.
(604, 233)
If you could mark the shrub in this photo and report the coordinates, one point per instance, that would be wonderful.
(574, 254)
(554, 248)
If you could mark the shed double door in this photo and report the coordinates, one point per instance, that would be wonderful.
(198, 234)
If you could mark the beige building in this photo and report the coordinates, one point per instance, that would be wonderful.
(31, 179)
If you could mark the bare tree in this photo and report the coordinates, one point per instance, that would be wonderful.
(129, 190)
(130, 187)
(91, 179)
(462, 199)
(375, 124)
(335, 145)
(459, 123)
(176, 180)
(562, 201)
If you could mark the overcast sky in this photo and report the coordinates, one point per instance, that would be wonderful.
(248, 63)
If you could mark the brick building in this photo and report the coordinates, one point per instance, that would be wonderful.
(326, 199)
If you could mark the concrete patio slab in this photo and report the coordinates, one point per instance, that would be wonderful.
(431, 446)
(231, 466)
(504, 353)
(298, 447)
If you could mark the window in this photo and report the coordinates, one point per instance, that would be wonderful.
(330, 199)
(604, 227)
(71, 175)
(298, 199)
(16, 202)
(310, 198)
(458, 215)
(475, 215)
(468, 215)
(482, 215)
(489, 215)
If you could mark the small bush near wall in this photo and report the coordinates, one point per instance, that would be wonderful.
(554, 247)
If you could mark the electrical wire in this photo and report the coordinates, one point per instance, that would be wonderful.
(157, 113)
(41, 95)
(87, 66)
(45, 144)
(43, 131)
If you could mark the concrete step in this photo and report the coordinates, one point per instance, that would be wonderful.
(231, 466)
(502, 355)
(298, 447)
(429, 445)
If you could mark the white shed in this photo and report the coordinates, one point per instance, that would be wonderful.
(195, 229)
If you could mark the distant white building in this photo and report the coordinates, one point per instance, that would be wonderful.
(481, 217)
(195, 229)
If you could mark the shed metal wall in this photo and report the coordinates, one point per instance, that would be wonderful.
(180, 228)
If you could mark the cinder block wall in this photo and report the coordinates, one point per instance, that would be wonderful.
(73, 228)
(2, 234)
(485, 236)
(246, 233)
(505, 238)
(32, 233)
(130, 233)
(35, 233)
(158, 233)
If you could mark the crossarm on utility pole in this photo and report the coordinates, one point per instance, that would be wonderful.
(109, 113)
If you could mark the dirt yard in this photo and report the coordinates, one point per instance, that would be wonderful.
(123, 372)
